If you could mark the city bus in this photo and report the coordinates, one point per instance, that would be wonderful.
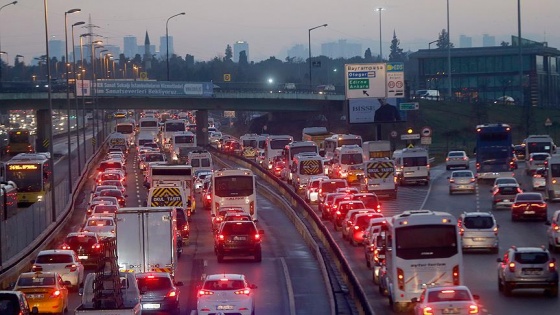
(31, 174)
(274, 146)
(538, 144)
(252, 143)
(127, 128)
(148, 124)
(236, 189)
(423, 247)
(181, 143)
(494, 151)
(170, 126)
(20, 141)
(337, 140)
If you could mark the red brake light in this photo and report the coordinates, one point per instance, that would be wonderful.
(204, 292)
(72, 267)
(257, 236)
(456, 275)
(221, 237)
(172, 293)
(511, 266)
(245, 291)
(555, 226)
(96, 246)
(65, 246)
(36, 268)
(552, 264)
(55, 294)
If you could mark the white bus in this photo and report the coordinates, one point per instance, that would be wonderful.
(337, 140)
(181, 143)
(274, 146)
(148, 124)
(291, 149)
(252, 143)
(170, 126)
(553, 177)
(422, 247)
(412, 166)
(345, 157)
(538, 144)
(234, 188)
(128, 129)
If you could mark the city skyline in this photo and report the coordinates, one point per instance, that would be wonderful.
(207, 28)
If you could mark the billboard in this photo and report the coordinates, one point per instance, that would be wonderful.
(373, 110)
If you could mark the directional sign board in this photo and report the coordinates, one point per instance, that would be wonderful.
(414, 136)
(409, 106)
(395, 79)
(365, 80)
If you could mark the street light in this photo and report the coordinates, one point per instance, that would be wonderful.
(102, 62)
(309, 38)
(67, 71)
(49, 117)
(448, 54)
(519, 50)
(93, 90)
(2, 7)
(75, 96)
(167, 40)
(430, 43)
(380, 43)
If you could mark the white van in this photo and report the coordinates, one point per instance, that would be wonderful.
(432, 95)
(344, 157)
(182, 141)
(200, 160)
(305, 166)
(412, 166)
(145, 137)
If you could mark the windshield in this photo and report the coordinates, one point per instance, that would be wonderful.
(297, 150)
(153, 284)
(234, 186)
(351, 159)
(223, 285)
(184, 139)
(279, 144)
(478, 222)
(426, 241)
(125, 129)
(26, 180)
(174, 126)
(415, 161)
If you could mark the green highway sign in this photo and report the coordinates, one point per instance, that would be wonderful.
(358, 84)
(409, 106)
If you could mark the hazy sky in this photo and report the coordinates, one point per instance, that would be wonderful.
(271, 27)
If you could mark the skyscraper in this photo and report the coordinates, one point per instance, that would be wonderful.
(163, 47)
(147, 53)
(298, 51)
(130, 46)
(57, 49)
(488, 41)
(238, 47)
(465, 41)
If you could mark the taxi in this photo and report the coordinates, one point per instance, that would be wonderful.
(44, 290)
(354, 173)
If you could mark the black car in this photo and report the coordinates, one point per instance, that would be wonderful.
(158, 292)
(86, 245)
(238, 238)
(183, 224)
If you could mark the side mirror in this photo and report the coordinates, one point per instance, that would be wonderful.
(414, 300)
(179, 283)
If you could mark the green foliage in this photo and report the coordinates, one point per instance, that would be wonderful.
(443, 40)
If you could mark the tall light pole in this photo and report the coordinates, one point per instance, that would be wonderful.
(519, 50)
(449, 91)
(167, 40)
(430, 43)
(93, 87)
(380, 38)
(309, 38)
(83, 74)
(2, 7)
(49, 117)
(76, 97)
(67, 72)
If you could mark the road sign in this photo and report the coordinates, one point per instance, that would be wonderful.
(410, 146)
(409, 106)
(227, 77)
(426, 140)
(365, 80)
(414, 136)
(394, 134)
(426, 131)
(548, 122)
(395, 79)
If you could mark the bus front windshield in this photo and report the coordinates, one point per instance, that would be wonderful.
(174, 126)
(234, 186)
(297, 150)
(279, 144)
(125, 129)
(26, 180)
(426, 241)
(184, 139)
(19, 137)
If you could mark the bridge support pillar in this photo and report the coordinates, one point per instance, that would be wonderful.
(44, 119)
(202, 128)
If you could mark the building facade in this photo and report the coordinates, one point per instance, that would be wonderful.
(130, 46)
(238, 47)
(483, 74)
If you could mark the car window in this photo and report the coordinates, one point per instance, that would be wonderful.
(462, 174)
(238, 228)
(531, 258)
(35, 281)
(448, 295)
(332, 185)
(539, 157)
(9, 304)
(456, 154)
(101, 222)
(508, 190)
(75, 241)
(525, 197)
(369, 201)
(53, 259)
(154, 284)
(223, 284)
(478, 222)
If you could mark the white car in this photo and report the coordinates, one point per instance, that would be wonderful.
(312, 189)
(457, 159)
(225, 294)
(553, 232)
(65, 262)
(446, 299)
(539, 179)
(104, 226)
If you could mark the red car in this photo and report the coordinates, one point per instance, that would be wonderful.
(529, 205)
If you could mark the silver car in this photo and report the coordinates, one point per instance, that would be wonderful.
(457, 159)
(479, 230)
(539, 179)
(553, 232)
(462, 181)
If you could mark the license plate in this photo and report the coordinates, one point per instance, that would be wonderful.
(529, 212)
(531, 272)
(239, 238)
(35, 296)
(506, 200)
(478, 239)
(150, 306)
(83, 257)
(450, 311)
(224, 307)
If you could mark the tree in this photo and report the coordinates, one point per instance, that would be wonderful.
(504, 44)
(229, 53)
(243, 62)
(443, 40)
(367, 55)
(396, 52)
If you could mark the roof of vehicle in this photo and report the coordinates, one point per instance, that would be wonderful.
(529, 196)
(477, 214)
(229, 276)
(528, 249)
(55, 251)
(79, 233)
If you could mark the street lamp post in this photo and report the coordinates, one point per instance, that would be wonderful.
(519, 51)
(309, 38)
(380, 38)
(67, 72)
(93, 88)
(2, 7)
(83, 74)
(449, 85)
(76, 97)
(430, 43)
(49, 117)
(167, 40)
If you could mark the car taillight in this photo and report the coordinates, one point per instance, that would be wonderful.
(55, 294)
(427, 310)
(456, 276)
(555, 227)
(65, 246)
(461, 231)
(245, 291)
(495, 231)
(72, 267)
(376, 255)
(511, 266)
(356, 227)
(552, 265)
(472, 180)
(208, 197)
(96, 246)
(465, 158)
(221, 237)
(172, 293)
(257, 237)
(185, 227)
(451, 180)
(473, 309)
(519, 190)
(36, 268)
(541, 205)
(400, 279)
(204, 292)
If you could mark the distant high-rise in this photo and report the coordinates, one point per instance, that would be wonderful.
(163, 46)
(298, 51)
(465, 41)
(341, 49)
(130, 46)
(57, 49)
(238, 47)
(488, 41)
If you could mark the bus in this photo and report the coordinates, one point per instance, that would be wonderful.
(128, 129)
(538, 144)
(252, 143)
(494, 151)
(181, 143)
(552, 175)
(20, 141)
(274, 146)
(422, 247)
(30, 173)
(337, 140)
(148, 124)
(234, 188)
(171, 126)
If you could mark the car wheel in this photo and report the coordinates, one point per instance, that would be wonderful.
(500, 285)
(507, 289)
(553, 291)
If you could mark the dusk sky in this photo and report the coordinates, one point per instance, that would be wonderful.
(271, 27)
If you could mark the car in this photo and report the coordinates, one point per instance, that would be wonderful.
(478, 230)
(527, 267)
(529, 205)
(503, 195)
(225, 294)
(109, 175)
(278, 167)
(312, 189)
(158, 292)
(199, 178)
(343, 208)
(95, 192)
(505, 180)
(65, 262)
(183, 224)
(103, 226)
(371, 200)
(102, 209)
(355, 172)
(207, 195)
(519, 151)
(375, 256)
(113, 182)
(538, 179)
(506, 100)
(219, 217)
(452, 299)
(117, 193)
(348, 190)
(461, 181)
(456, 159)
(238, 238)
(553, 232)
(237, 216)
(360, 222)
(331, 185)
(536, 160)
(326, 205)
(45, 291)
(86, 245)
(15, 303)
(104, 200)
